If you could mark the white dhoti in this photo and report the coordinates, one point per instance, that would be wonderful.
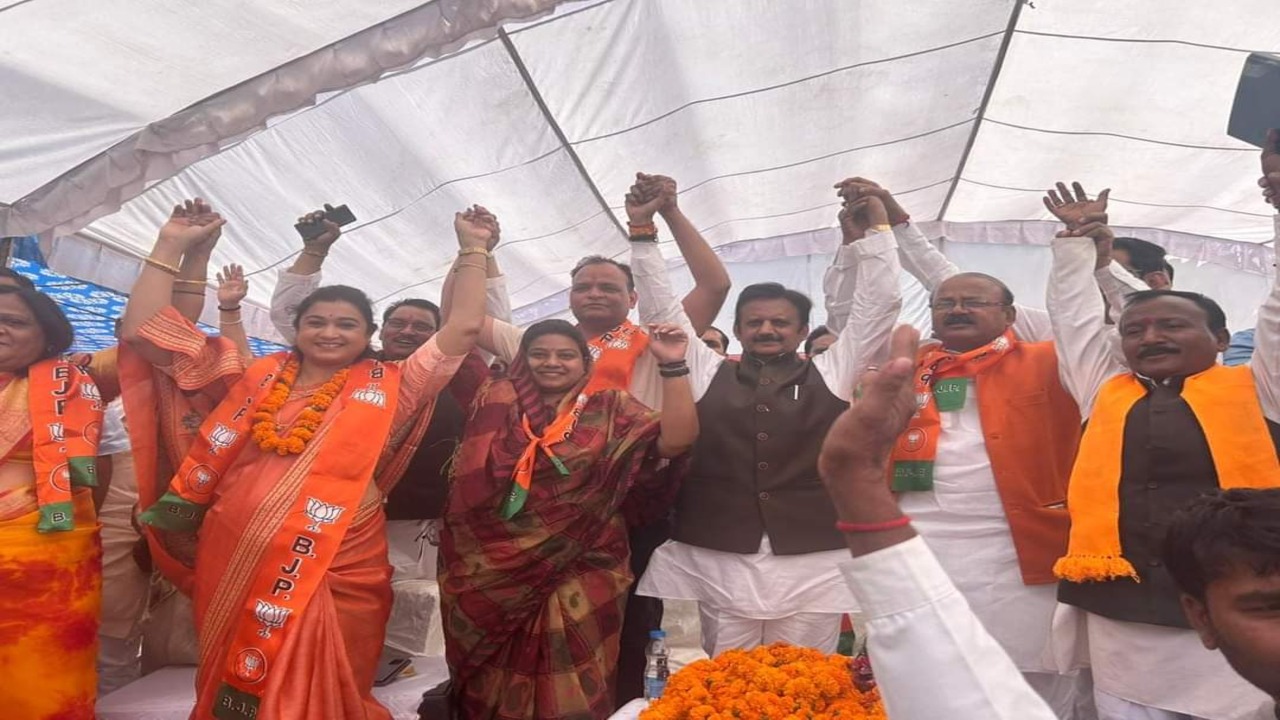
(747, 600)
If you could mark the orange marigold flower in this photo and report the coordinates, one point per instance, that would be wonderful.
(777, 682)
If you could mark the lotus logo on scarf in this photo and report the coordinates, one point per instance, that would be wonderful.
(271, 617)
(371, 394)
(221, 438)
(57, 432)
(321, 513)
(251, 665)
(200, 479)
(1000, 344)
(89, 391)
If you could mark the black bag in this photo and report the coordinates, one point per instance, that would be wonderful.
(437, 703)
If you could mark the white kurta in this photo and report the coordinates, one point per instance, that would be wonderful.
(963, 522)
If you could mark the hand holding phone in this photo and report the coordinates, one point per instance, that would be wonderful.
(313, 226)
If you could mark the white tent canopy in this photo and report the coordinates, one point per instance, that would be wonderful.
(967, 110)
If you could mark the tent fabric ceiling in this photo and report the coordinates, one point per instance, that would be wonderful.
(756, 107)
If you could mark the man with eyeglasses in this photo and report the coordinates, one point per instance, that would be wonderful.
(982, 467)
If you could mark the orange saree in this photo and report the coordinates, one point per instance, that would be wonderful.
(270, 647)
(50, 549)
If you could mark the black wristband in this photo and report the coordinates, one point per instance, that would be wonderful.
(643, 238)
(674, 365)
(674, 373)
(231, 309)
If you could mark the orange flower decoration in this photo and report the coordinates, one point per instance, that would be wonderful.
(775, 682)
(308, 421)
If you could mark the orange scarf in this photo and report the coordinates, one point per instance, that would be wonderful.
(613, 357)
(66, 421)
(338, 464)
(1225, 403)
(557, 432)
(917, 447)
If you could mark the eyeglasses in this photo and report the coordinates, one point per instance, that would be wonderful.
(964, 303)
(418, 327)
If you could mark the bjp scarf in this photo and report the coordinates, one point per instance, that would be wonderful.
(1225, 403)
(613, 357)
(917, 448)
(301, 550)
(557, 431)
(66, 422)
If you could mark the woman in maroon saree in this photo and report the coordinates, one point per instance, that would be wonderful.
(534, 553)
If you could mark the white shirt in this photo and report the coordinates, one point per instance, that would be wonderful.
(762, 585)
(931, 656)
(114, 438)
(963, 521)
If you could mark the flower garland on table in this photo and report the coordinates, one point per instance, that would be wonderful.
(768, 683)
(308, 422)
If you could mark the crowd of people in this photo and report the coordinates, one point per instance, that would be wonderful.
(1070, 512)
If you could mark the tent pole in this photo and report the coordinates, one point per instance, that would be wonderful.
(986, 100)
(555, 127)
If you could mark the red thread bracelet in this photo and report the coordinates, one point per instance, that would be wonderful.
(848, 527)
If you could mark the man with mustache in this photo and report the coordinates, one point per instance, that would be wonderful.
(928, 265)
(754, 541)
(1172, 425)
(982, 467)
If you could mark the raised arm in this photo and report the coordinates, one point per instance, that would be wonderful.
(838, 282)
(916, 617)
(876, 304)
(658, 194)
(678, 422)
(653, 282)
(1083, 340)
(190, 286)
(301, 278)
(191, 223)
(475, 228)
(232, 289)
(1266, 360)
(497, 302)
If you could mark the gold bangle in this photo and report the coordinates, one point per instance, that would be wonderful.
(474, 251)
(314, 254)
(162, 267)
(231, 322)
(881, 228)
(461, 265)
(201, 282)
(189, 292)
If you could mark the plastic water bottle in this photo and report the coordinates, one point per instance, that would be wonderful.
(656, 668)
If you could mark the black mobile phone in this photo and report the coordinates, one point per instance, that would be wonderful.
(1257, 104)
(339, 216)
(389, 669)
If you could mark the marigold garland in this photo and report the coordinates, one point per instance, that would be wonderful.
(775, 682)
(308, 421)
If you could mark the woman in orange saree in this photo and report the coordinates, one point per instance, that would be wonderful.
(535, 564)
(50, 549)
(275, 508)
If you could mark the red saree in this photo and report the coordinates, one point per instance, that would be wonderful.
(532, 606)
